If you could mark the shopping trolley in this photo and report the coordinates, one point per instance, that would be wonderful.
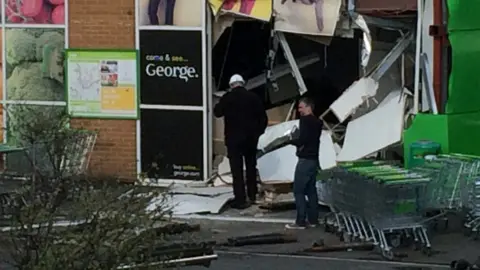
(377, 202)
(472, 222)
(453, 187)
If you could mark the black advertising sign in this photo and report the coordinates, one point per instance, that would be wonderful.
(172, 144)
(171, 67)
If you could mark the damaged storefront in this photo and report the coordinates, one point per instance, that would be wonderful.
(346, 61)
(394, 83)
(357, 72)
(354, 58)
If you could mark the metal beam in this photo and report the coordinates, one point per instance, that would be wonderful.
(391, 57)
(277, 72)
(387, 24)
(302, 88)
(281, 71)
(428, 83)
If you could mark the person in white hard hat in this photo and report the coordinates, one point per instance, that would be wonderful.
(245, 121)
(236, 81)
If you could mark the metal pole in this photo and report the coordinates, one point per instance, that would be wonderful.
(416, 93)
(445, 60)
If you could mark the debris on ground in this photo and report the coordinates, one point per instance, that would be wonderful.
(261, 239)
(320, 246)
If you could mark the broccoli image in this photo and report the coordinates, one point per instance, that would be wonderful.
(27, 82)
(8, 70)
(34, 72)
(35, 64)
(52, 38)
(20, 46)
(37, 32)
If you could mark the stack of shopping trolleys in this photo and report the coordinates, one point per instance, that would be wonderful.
(381, 202)
(456, 187)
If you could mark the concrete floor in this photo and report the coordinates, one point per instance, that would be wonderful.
(246, 262)
(447, 244)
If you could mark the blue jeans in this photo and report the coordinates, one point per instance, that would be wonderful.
(304, 185)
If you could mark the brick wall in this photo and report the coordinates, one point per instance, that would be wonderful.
(106, 24)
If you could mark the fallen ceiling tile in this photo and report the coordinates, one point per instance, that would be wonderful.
(375, 130)
(223, 180)
(353, 97)
(185, 204)
(201, 191)
(278, 165)
(274, 132)
(328, 155)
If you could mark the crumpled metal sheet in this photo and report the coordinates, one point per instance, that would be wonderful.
(277, 136)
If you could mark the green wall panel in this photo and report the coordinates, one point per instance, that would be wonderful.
(426, 127)
(464, 35)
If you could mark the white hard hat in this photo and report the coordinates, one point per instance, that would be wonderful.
(236, 78)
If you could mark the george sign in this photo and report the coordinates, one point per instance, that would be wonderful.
(172, 144)
(102, 83)
(171, 68)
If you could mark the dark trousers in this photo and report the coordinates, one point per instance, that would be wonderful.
(237, 154)
(304, 184)
(153, 9)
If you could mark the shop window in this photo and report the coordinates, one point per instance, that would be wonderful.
(163, 144)
(31, 126)
(34, 59)
(1, 80)
(171, 72)
(34, 11)
(184, 13)
(32, 39)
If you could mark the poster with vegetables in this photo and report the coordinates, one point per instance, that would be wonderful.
(34, 73)
(102, 83)
(35, 11)
(34, 64)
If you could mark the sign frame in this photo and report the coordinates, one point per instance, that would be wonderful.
(206, 108)
(173, 90)
(103, 115)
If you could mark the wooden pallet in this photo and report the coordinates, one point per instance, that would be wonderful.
(271, 192)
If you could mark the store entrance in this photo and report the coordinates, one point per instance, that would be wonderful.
(243, 48)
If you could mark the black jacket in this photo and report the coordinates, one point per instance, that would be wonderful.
(308, 141)
(244, 114)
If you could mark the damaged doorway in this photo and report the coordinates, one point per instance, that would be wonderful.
(326, 68)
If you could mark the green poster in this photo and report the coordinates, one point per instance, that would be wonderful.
(102, 83)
